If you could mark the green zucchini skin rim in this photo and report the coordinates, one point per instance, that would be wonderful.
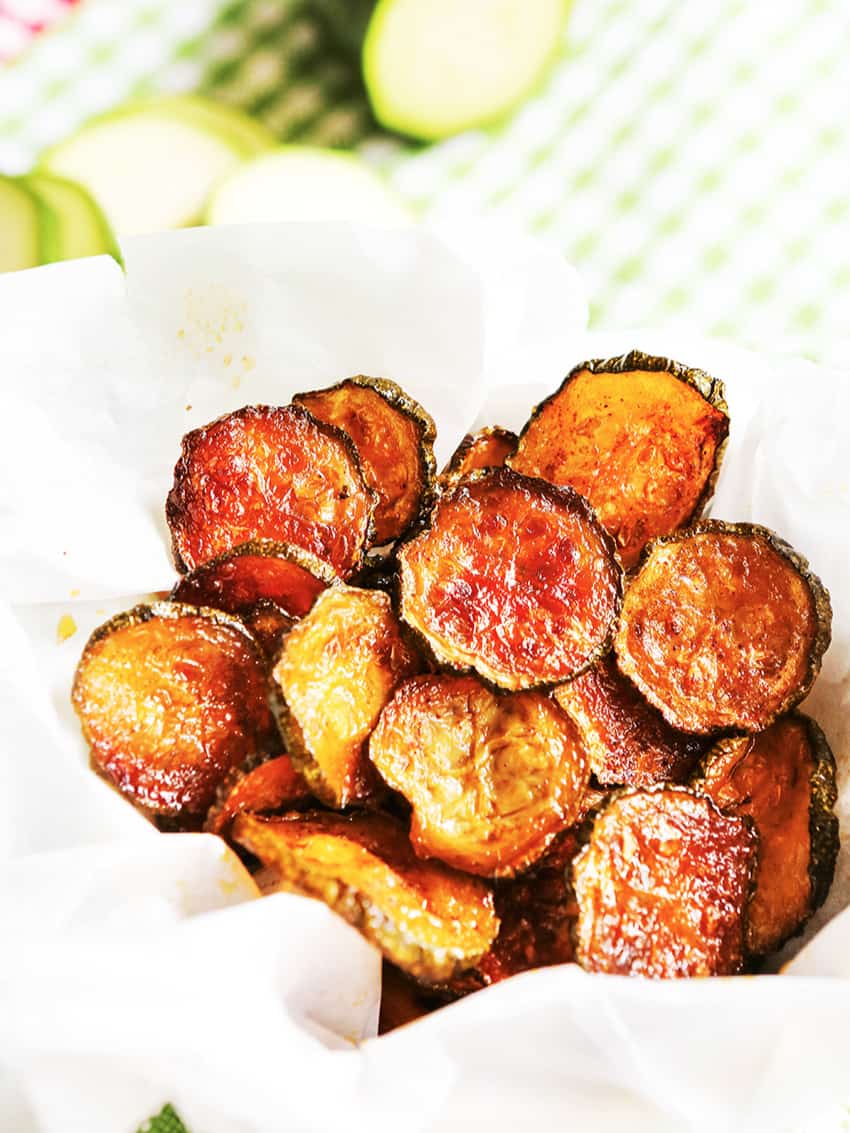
(428, 967)
(187, 446)
(562, 494)
(265, 549)
(586, 829)
(451, 474)
(297, 748)
(397, 398)
(823, 824)
(820, 600)
(711, 389)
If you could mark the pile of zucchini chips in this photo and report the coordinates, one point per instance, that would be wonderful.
(532, 711)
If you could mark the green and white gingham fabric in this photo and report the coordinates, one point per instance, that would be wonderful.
(692, 160)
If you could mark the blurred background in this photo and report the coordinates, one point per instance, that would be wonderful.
(692, 160)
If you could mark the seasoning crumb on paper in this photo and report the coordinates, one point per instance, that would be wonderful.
(75, 593)
(65, 628)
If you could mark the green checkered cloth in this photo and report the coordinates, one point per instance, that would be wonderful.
(690, 159)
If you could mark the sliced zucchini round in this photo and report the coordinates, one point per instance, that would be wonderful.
(629, 742)
(80, 228)
(152, 163)
(264, 472)
(338, 668)
(492, 778)
(429, 920)
(172, 698)
(272, 785)
(436, 67)
(514, 578)
(394, 438)
(641, 437)
(24, 218)
(784, 780)
(488, 448)
(723, 627)
(305, 183)
(662, 886)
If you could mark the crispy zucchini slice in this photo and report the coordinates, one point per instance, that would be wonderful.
(265, 472)
(488, 448)
(272, 785)
(269, 624)
(394, 438)
(171, 698)
(429, 920)
(724, 626)
(260, 570)
(628, 741)
(784, 780)
(514, 578)
(662, 886)
(641, 437)
(492, 778)
(337, 670)
(403, 1000)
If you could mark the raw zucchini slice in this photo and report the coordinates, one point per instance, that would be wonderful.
(23, 217)
(171, 698)
(394, 438)
(724, 626)
(269, 473)
(337, 670)
(629, 742)
(302, 183)
(514, 578)
(784, 780)
(662, 887)
(151, 164)
(273, 785)
(488, 448)
(436, 67)
(429, 920)
(641, 437)
(80, 228)
(492, 778)
(260, 570)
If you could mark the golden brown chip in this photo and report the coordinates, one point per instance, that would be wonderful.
(784, 780)
(273, 785)
(259, 571)
(171, 698)
(724, 626)
(492, 778)
(628, 741)
(337, 670)
(641, 437)
(662, 887)
(403, 1000)
(269, 473)
(514, 578)
(394, 438)
(488, 448)
(429, 920)
(269, 625)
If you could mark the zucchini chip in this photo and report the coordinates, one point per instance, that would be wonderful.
(403, 1000)
(488, 448)
(724, 626)
(337, 670)
(171, 698)
(784, 780)
(429, 920)
(394, 438)
(514, 578)
(492, 778)
(257, 571)
(662, 887)
(629, 742)
(640, 437)
(269, 473)
(269, 625)
(273, 785)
